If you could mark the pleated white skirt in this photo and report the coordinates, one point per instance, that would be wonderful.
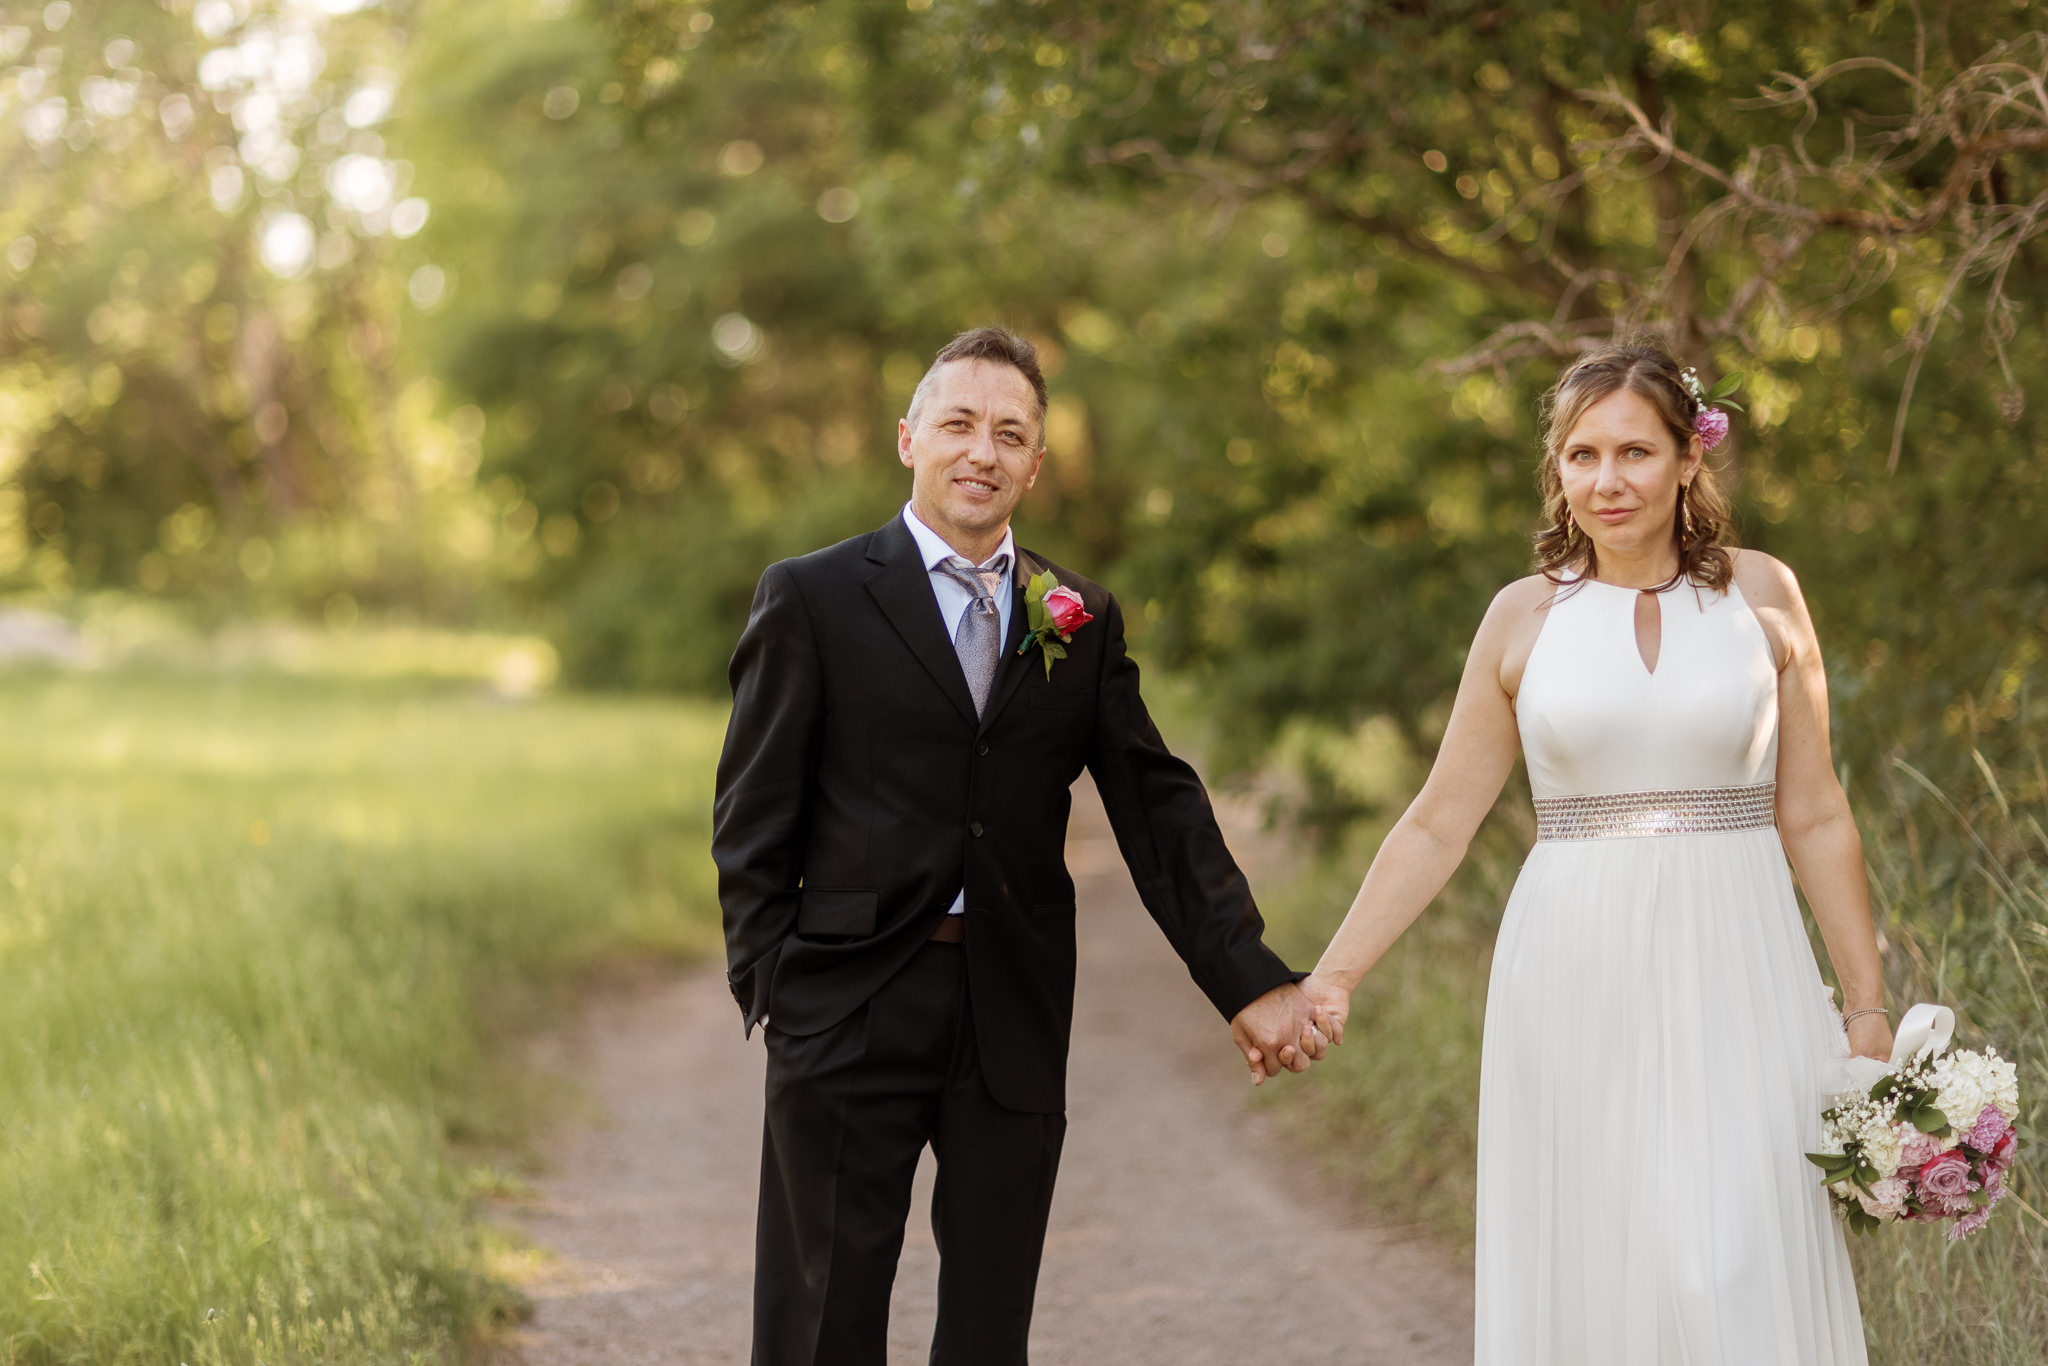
(1659, 1046)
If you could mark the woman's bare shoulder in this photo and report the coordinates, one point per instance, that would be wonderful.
(1765, 580)
(1772, 592)
(1520, 601)
(1512, 624)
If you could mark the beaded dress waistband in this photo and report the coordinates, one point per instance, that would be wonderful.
(1677, 811)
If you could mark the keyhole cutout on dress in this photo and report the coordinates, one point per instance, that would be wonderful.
(1649, 629)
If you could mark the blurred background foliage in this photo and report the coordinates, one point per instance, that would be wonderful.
(570, 316)
(567, 316)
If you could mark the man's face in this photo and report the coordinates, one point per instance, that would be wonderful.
(974, 451)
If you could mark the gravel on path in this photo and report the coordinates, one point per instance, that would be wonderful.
(1184, 1230)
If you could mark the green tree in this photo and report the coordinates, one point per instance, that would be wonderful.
(199, 313)
(1845, 206)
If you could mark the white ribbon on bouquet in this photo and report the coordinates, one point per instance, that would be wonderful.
(1925, 1029)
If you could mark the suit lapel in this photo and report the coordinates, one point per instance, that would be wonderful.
(1012, 668)
(901, 587)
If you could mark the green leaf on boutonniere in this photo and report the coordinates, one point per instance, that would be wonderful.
(1035, 610)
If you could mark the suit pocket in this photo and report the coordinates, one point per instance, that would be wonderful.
(820, 911)
(1061, 699)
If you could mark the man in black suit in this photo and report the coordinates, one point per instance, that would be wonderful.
(889, 832)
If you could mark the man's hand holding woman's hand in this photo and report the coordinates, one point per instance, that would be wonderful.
(1290, 1027)
(1277, 1033)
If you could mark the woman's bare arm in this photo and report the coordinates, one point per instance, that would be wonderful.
(1814, 820)
(1429, 841)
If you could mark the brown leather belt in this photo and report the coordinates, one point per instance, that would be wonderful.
(951, 930)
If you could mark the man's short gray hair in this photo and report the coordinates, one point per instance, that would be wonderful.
(997, 344)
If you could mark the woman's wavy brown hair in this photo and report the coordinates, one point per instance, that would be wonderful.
(1647, 371)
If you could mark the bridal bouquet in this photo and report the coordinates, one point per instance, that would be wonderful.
(1929, 1139)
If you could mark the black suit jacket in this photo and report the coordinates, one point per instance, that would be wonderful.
(857, 793)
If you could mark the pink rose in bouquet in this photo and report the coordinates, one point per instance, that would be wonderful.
(1994, 1190)
(1945, 1182)
(1068, 615)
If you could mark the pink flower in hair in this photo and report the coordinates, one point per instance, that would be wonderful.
(1712, 426)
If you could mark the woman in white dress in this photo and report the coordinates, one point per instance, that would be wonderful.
(1659, 1042)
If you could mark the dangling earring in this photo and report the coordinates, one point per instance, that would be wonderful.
(1685, 508)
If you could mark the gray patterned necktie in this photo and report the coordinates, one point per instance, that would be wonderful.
(978, 641)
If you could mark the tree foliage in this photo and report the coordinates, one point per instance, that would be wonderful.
(199, 303)
(1301, 271)
(1841, 204)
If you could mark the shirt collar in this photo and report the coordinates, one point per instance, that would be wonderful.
(935, 550)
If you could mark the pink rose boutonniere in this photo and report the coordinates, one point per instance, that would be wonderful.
(1055, 614)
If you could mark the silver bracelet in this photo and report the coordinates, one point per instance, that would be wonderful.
(1867, 1010)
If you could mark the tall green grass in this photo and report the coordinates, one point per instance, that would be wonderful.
(261, 941)
(1960, 894)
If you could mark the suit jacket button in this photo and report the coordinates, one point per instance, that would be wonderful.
(975, 829)
(981, 746)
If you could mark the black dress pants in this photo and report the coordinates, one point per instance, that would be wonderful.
(848, 1112)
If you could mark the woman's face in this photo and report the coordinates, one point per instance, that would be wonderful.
(1622, 470)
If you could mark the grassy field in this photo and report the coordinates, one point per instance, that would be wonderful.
(1960, 883)
(261, 941)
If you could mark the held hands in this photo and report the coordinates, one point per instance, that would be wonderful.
(1331, 1003)
(1278, 1031)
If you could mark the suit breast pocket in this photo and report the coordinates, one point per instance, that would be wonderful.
(1072, 701)
(846, 914)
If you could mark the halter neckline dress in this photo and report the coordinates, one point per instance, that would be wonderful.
(1659, 1042)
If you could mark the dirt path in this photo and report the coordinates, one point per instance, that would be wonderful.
(1174, 1240)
